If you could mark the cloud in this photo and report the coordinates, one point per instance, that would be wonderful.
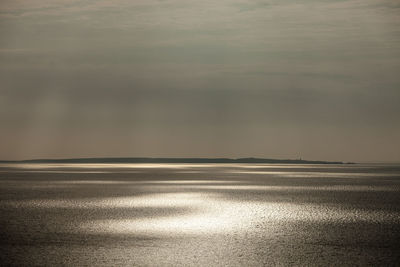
(239, 68)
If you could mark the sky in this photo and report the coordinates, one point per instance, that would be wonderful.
(311, 79)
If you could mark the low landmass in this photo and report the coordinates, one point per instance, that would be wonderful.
(174, 160)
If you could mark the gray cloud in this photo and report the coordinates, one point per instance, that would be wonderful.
(200, 78)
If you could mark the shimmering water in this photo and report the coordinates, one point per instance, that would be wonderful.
(199, 214)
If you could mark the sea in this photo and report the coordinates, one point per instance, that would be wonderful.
(199, 214)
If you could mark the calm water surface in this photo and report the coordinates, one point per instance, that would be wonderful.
(199, 214)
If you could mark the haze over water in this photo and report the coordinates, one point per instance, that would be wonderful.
(199, 214)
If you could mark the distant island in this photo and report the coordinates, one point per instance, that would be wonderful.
(174, 160)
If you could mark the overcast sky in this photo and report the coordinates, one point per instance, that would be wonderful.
(316, 79)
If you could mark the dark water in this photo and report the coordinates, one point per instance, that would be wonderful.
(199, 214)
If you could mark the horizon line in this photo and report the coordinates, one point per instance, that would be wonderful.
(172, 160)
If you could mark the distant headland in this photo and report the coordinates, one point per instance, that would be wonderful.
(175, 160)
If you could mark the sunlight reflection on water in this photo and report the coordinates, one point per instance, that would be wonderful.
(214, 210)
(312, 174)
(213, 215)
